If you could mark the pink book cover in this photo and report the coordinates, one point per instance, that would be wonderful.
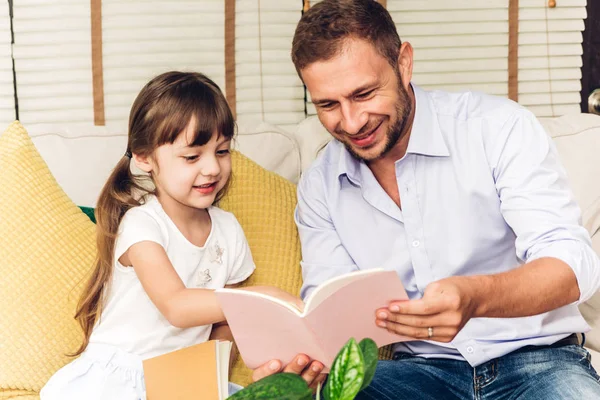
(266, 328)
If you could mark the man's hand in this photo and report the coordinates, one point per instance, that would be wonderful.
(300, 365)
(446, 306)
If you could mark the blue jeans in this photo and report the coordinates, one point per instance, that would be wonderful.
(545, 373)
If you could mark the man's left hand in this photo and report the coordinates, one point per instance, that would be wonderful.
(446, 306)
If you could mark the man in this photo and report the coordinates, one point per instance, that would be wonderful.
(463, 195)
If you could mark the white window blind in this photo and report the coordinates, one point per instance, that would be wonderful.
(267, 86)
(458, 44)
(463, 44)
(143, 38)
(7, 91)
(140, 40)
(550, 50)
(52, 54)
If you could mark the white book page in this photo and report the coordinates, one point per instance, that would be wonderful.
(289, 306)
(223, 352)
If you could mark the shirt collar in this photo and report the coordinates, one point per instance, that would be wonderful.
(425, 137)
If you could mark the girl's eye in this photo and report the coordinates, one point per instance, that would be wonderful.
(190, 158)
(223, 152)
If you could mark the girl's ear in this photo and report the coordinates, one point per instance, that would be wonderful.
(145, 163)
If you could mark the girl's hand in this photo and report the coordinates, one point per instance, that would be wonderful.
(279, 294)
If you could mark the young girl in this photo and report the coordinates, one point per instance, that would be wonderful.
(161, 250)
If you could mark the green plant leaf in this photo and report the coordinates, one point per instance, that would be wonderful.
(370, 356)
(347, 373)
(284, 386)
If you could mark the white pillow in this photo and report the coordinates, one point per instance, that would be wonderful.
(270, 147)
(312, 137)
(577, 139)
(82, 156)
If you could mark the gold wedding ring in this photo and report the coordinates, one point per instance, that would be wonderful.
(430, 332)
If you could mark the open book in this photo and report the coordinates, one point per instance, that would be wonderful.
(199, 371)
(266, 328)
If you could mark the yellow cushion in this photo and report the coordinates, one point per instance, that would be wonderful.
(264, 203)
(46, 247)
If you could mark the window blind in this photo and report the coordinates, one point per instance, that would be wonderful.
(268, 88)
(7, 91)
(464, 45)
(140, 40)
(458, 44)
(52, 55)
(550, 50)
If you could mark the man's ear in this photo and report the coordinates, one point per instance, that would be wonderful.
(145, 163)
(405, 63)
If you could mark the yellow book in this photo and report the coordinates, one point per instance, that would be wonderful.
(192, 373)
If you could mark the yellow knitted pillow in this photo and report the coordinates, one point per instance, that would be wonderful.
(264, 203)
(47, 245)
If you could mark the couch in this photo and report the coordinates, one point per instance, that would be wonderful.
(80, 158)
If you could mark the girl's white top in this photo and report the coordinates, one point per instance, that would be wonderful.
(130, 321)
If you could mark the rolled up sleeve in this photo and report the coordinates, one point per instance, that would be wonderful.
(537, 203)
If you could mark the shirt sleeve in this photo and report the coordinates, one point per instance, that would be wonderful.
(243, 264)
(537, 203)
(323, 254)
(138, 226)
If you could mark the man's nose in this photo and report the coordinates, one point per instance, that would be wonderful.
(353, 118)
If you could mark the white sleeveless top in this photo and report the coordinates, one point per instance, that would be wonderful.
(130, 321)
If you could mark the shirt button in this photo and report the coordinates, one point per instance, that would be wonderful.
(470, 349)
(416, 243)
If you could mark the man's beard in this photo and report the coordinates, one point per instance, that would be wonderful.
(403, 110)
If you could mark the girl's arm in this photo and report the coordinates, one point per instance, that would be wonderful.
(183, 307)
(222, 331)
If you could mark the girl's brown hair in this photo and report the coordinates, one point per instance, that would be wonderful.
(161, 111)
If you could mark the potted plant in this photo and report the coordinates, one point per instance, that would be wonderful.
(352, 370)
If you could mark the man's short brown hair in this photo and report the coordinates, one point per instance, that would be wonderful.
(322, 30)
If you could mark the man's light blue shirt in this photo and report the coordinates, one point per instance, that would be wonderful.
(482, 191)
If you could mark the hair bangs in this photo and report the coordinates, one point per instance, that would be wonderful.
(211, 116)
(193, 101)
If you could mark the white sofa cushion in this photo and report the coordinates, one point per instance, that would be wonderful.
(82, 156)
(271, 147)
(577, 139)
(312, 138)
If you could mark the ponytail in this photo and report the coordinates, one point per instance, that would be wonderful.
(160, 113)
(116, 198)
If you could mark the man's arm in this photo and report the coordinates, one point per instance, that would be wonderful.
(447, 305)
(323, 254)
(560, 267)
